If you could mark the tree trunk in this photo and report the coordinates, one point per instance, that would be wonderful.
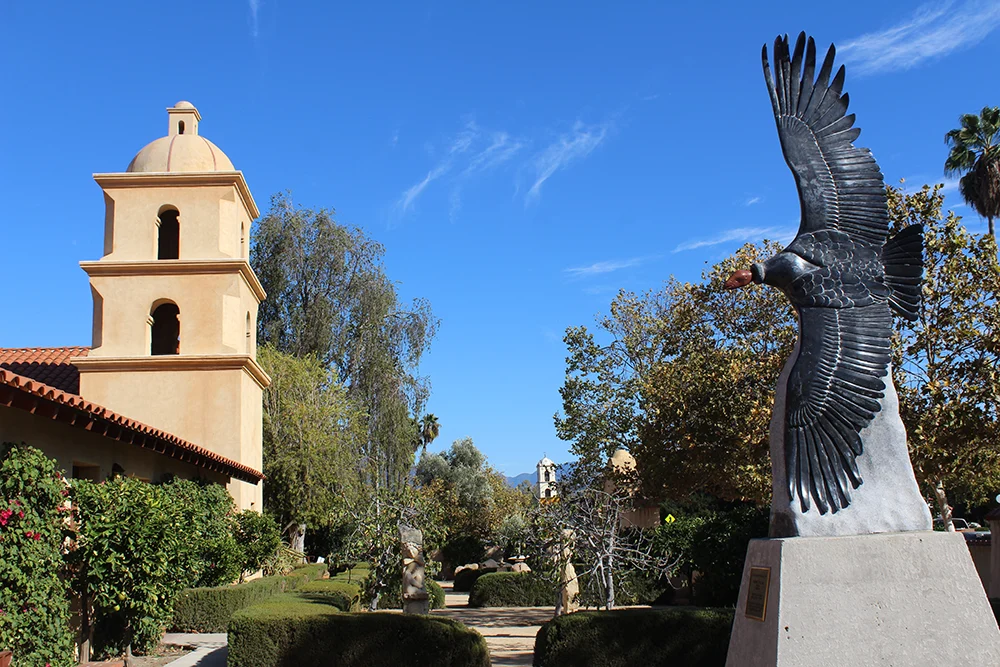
(86, 630)
(299, 539)
(992, 229)
(943, 506)
(609, 601)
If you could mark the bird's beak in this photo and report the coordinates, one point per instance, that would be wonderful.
(740, 278)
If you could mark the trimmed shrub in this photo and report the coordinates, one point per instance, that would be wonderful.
(512, 589)
(289, 631)
(465, 579)
(437, 593)
(34, 598)
(209, 609)
(258, 537)
(648, 637)
(343, 596)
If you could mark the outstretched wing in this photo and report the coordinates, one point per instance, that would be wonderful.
(834, 391)
(840, 185)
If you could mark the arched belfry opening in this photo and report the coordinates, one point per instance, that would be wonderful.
(168, 234)
(166, 329)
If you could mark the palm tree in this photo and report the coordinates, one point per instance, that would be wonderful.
(975, 152)
(429, 430)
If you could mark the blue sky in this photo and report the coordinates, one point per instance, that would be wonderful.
(521, 161)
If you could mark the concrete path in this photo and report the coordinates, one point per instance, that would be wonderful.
(509, 631)
(211, 649)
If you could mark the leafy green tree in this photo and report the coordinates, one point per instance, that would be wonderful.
(429, 430)
(34, 594)
(685, 382)
(329, 297)
(210, 523)
(258, 538)
(312, 435)
(975, 152)
(133, 546)
(947, 365)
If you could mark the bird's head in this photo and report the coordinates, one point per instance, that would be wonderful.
(779, 271)
(742, 278)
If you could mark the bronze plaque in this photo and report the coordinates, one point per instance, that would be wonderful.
(760, 580)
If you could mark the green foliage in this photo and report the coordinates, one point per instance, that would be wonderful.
(392, 596)
(712, 538)
(625, 637)
(34, 598)
(292, 631)
(436, 593)
(209, 516)
(343, 596)
(975, 152)
(133, 546)
(312, 432)
(209, 609)
(946, 362)
(683, 378)
(258, 538)
(512, 589)
(466, 579)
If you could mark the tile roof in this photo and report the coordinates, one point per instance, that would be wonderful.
(26, 393)
(49, 365)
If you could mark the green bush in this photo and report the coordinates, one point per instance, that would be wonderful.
(648, 637)
(209, 531)
(465, 579)
(392, 594)
(209, 609)
(287, 632)
(258, 538)
(512, 589)
(34, 598)
(437, 593)
(343, 596)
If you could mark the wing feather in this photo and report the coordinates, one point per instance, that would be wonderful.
(833, 393)
(840, 185)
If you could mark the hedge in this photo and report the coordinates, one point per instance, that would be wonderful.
(340, 594)
(623, 637)
(392, 595)
(209, 609)
(512, 589)
(465, 579)
(436, 592)
(289, 631)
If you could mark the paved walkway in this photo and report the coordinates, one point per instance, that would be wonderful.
(509, 631)
(211, 649)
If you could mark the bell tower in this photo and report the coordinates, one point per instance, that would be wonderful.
(175, 299)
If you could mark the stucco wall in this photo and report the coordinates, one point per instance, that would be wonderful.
(71, 446)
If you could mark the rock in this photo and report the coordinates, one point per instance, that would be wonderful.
(520, 567)
(491, 564)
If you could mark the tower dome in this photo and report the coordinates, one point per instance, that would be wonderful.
(182, 150)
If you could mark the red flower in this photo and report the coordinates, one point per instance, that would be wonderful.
(4, 516)
(20, 514)
(33, 535)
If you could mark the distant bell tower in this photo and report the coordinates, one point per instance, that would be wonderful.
(175, 299)
(546, 487)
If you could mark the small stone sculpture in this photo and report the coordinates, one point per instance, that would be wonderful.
(415, 596)
(569, 584)
(836, 423)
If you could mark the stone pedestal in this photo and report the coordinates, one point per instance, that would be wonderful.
(910, 599)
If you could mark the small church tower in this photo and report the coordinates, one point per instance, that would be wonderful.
(175, 299)
(546, 487)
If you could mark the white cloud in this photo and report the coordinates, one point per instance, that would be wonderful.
(499, 151)
(411, 194)
(598, 268)
(569, 148)
(254, 6)
(933, 31)
(751, 201)
(742, 235)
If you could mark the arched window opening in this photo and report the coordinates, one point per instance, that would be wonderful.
(180, 127)
(166, 338)
(249, 336)
(548, 493)
(169, 235)
(548, 476)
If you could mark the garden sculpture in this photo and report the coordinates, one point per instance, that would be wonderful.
(415, 596)
(836, 424)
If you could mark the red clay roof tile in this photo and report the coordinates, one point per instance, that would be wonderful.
(49, 365)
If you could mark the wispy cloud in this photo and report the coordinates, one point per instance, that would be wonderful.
(471, 151)
(933, 31)
(567, 149)
(599, 268)
(751, 201)
(740, 234)
(254, 6)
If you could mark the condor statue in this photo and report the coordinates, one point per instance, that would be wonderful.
(838, 446)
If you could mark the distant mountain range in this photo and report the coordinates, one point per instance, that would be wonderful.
(523, 477)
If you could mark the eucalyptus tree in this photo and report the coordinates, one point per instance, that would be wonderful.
(329, 296)
(975, 152)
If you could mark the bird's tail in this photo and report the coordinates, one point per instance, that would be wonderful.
(903, 259)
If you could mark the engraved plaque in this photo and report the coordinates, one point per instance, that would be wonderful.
(760, 580)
